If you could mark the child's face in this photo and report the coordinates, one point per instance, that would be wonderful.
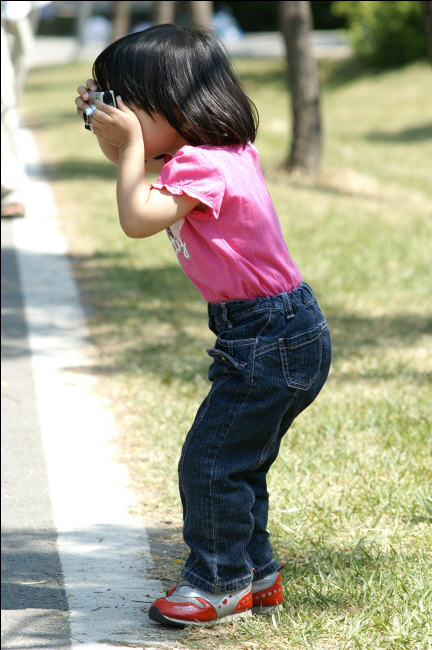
(159, 137)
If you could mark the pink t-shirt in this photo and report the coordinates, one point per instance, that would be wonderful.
(235, 249)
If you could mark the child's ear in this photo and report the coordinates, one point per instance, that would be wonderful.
(179, 115)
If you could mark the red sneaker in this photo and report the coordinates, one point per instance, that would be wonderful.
(187, 605)
(267, 593)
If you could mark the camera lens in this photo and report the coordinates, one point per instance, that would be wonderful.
(87, 113)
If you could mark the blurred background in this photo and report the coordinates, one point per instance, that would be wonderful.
(394, 29)
(377, 34)
(344, 93)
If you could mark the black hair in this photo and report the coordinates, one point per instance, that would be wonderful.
(185, 75)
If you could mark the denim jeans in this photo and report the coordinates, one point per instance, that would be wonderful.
(270, 360)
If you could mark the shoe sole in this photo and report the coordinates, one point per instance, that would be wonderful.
(156, 615)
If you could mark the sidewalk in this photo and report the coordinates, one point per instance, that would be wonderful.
(51, 50)
(77, 563)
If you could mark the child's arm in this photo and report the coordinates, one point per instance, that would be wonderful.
(152, 166)
(110, 152)
(142, 211)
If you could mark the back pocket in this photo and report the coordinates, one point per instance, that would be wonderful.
(301, 357)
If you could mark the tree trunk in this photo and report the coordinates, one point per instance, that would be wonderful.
(427, 17)
(121, 20)
(201, 13)
(296, 26)
(164, 13)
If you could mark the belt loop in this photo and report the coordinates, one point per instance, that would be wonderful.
(288, 306)
(225, 315)
(210, 317)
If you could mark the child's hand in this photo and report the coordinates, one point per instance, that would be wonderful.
(118, 126)
(82, 99)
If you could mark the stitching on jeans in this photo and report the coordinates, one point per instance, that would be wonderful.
(300, 345)
(285, 365)
(270, 443)
(252, 368)
(214, 464)
(265, 566)
(272, 439)
(267, 348)
(198, 422)
(235, 344)
(321, 327)
(190, 436)
(288, 305)
(246, 561)
(192, 566)
(250, 312)
(211, 584)
(214, 353)
(225, 315)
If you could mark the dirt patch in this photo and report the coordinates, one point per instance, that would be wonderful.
(168, 550)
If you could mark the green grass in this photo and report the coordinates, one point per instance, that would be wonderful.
(351, 498)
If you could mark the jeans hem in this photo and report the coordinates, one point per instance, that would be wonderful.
(215, 588)
(269, 568)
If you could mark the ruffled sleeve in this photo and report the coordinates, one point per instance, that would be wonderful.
(193, 170)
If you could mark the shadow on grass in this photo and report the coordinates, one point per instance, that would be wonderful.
(409, 134)
(280, 176)
(154, 320)
(129, 288)
(169, 551)
(126, 299)
(332, 72)
(53, 120)
(389, 331)
(417, 520)
(74, 169)
(333, 185)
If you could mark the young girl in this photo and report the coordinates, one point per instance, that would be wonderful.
(181, 111)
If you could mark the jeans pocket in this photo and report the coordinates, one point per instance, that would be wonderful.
(226, 359)
(301, 357)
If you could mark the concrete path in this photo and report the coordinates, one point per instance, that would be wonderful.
(76, 563)
(34, 605)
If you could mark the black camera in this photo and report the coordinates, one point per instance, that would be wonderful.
(105, 96)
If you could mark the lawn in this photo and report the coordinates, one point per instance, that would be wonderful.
(351, 497)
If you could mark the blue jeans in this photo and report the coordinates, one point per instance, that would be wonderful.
(270, 361)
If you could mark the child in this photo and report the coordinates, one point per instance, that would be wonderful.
(182, 112)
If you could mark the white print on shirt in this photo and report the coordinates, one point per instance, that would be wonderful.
(176, 241)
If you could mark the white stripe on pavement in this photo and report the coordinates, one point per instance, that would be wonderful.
(104, 550)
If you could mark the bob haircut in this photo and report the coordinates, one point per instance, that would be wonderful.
(185, 75)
